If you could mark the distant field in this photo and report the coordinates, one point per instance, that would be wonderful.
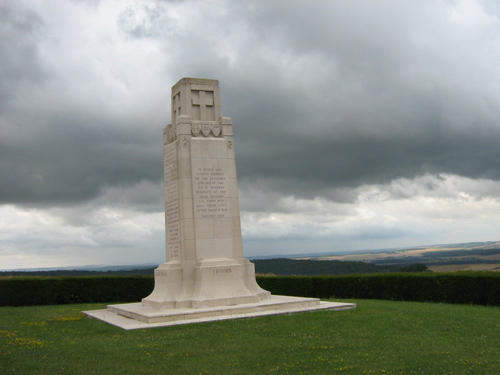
(482, 256)
(466, 267)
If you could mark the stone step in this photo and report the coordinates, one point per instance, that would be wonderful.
(135, 316)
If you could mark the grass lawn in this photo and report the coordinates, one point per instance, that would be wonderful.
(379, 337)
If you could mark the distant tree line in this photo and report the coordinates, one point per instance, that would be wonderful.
(134, 272)
(461, 253)
(279, 266)
(325, 267)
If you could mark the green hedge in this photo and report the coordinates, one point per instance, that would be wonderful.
(480, 288)
(28, 291)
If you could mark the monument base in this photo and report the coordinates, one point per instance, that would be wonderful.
(216, 282)
(137, 316)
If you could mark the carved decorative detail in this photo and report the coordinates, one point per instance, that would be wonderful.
(195, 128)
(205, 128)
(229, 143)
(216, 129)
(204, 101)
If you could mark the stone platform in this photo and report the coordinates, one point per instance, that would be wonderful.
(136, 316)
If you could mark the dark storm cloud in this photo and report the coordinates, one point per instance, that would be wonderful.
(400, 96)
(322, 95)
(294, 169)
(59, 144)
(19, 64)
(67, 160)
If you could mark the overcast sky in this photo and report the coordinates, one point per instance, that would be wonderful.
(358, 124)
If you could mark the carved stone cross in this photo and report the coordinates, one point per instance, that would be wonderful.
(205, 99)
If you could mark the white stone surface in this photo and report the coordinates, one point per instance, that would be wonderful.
(136, 316)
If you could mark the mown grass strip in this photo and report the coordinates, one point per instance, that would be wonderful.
(379, 337)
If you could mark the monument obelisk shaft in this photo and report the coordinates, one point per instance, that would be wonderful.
(205, 264)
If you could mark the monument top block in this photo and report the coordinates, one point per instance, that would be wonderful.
(194, 81)
(196, 98)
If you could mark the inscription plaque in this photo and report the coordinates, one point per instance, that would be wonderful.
(210, 190)
(172, 225)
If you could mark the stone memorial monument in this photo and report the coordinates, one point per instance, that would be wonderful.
(205, 276)
(205, 265)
